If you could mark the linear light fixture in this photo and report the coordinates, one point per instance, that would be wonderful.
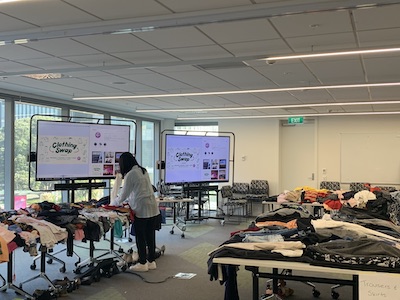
(134, 30)
(287, 116)
(21, 41)
(268, 106)
(304, 88)
(327, 54)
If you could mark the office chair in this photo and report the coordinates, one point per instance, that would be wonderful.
(330, 185)
(233, 205)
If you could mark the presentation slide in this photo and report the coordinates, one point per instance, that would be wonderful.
(67, 150)
(196, 158)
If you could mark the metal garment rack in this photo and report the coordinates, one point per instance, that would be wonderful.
(92, 259)
(8, 283)
(176, 219)
(42, 273)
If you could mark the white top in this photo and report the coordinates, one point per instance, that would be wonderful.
(138, 192)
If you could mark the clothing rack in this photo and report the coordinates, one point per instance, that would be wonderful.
(91, 260)
(42, 273)
(8, 283)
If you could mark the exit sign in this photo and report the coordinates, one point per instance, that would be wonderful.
(295, 120)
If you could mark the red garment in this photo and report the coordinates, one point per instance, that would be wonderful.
(333, 204)
(248, 229)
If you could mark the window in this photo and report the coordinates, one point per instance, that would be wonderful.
(2, 153)
(88, 117)
(26, 189)
(24, 138)
(132, 124)
(148, 147)
(196, 129)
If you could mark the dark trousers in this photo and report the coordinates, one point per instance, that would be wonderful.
(145, 235)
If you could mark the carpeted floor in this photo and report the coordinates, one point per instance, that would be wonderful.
(187, 255)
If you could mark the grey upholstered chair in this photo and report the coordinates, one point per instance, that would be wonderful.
(260, 188)
(358, 186)
(330, 185)
(259, 192)
(387, 188)
(236, 208)
(240, 189)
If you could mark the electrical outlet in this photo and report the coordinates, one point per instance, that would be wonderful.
(323, 171)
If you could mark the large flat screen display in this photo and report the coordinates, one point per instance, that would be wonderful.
(199, 159)
(69, 150)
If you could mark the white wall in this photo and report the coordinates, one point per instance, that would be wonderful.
(258, 141)
(256, 149)
(329, 132)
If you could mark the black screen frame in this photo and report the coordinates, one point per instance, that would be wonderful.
(187, 137)
(86, 176)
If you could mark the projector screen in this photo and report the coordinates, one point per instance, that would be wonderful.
(196, 159)
(70, 150)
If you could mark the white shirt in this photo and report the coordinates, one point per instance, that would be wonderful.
(138, 192)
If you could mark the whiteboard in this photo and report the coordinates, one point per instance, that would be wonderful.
(370, 157)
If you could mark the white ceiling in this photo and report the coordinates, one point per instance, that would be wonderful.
(201, 46)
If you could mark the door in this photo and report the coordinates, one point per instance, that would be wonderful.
(297, 155)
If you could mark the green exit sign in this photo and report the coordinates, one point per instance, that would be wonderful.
(295, 120)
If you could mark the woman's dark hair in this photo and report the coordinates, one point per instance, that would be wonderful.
(126, 162)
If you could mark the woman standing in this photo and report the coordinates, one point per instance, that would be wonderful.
(138, 192)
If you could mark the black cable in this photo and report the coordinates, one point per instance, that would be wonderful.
(145, 280)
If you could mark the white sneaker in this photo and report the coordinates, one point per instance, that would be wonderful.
(139, 267)
(152, 265)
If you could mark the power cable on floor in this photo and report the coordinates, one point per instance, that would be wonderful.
(147, 281)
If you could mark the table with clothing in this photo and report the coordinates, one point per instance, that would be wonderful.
(362, 233)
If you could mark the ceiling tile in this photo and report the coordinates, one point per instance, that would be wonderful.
(191, 5)
(114, 43)
(318, 43)
(62, 47)
(383, 69)
(337, 72)
(47, 13)
(200, 52)
(383, 17)
(120, 9)
(240, 31)
(149, 57)
(175, 38)
(313, 23)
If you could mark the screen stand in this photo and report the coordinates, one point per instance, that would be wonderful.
(200, 192)
(72, 186)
